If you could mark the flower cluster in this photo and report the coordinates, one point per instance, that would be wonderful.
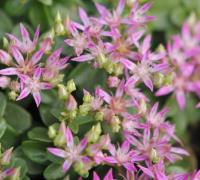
(24, 61)
(119, 45)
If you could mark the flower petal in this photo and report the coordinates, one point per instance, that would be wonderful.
(83, 58)
(66, 165)
(24, 93)
(9, 71)
(17, 55)
(164, 90)
(37, 98)
(57, 152)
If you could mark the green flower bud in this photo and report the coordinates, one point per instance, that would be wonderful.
(13, 95)
(16, 175)
(5, 43)
(84, 109)
(109, 67)
(62, 92)
(57, 79)
(81, 169)
(72, 114)
(94, 133)
(60, 140)
(99, 116)
(87, 98)
(158, 79)
(52, 132)
(115, 124)
(143, 107)
(169, 79)
(118, 69)
(154, 156)
(6, 157)
(102, 59)
(71, 86)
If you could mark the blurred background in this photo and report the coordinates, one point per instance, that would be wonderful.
(170, 16)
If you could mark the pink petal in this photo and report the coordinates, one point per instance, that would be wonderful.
(36, 57)
(9, 71)
(24, 33)
(95, 176)
(179, 151)
(44, 85)
(84, 17)
(147, 81)
(37, 98)
(36, 35)
(103, 95)
(17, 55)
(69, 138)
(102, 10)
(146, 44)
(55, 55)
(160, 67)
(5, 57)
(146, 171)
(37, 73)
(24, 93)
(66, 165)
(110, 159)
(180, 97)
(109, 175)
(58, 152)
(154, 109)
(125, 147)
(164, 90)
(82, 145)
(83, 58)
(120, 6)
(128, 64)
(129, 166)
(145, 8)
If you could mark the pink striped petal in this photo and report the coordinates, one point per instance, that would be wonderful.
(36, 57)
(179, 151)
(69, 138)
(125, 147)
(109, 175)
(145, 8)
(66, 165)
(164, 90)
(128, 64)
(36, 35)
(55, 55)
(84, 17)
(147, 81)
(146, 44)
(95, 176)
(24, 93)
(82, 145)
(37, 98)
(24, 33)
(103, 95)
(9, 71)
(17, 55)
(44, 85)
(83, 58)
(120, 6)
(146, 171)
(102, 10)
(180, 97)
(37, 73)
(57, 152)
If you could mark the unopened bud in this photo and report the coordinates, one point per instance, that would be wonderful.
(104, 141)
(72, 114)
(71, 103)
(12, 95)
(115, 124)
(113, 81)
(6, 157)
(52, 131)
(158, 79)
(87, 98)
(118, 69)
(143, 107)
(60, 140)
(71, 86)
(59, 27)
(16, 174)
(154, 156)
(109, 67)
(102, 59)
(99, 116)
(80, 168)
(94, 133)
(5, 58)
(4, 82)
(5, 43)
(84, 109)
(62, 92)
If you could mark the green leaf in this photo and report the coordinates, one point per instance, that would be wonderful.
(46, 2)
(19, 7)
(74, 127)
(35, 151)
(17, 117)
(3, 127)
(80, 120)
(19, 162)
(3, 103)
(39, 133)
(5, 25)
(54, 171)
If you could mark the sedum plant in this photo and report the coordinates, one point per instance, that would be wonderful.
(118, 129)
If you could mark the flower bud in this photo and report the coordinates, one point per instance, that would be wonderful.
(5, 58)
(84, 109)
(158, 79)
(154, 156)
(115, 124)
(6, 157)
(104, 141)
(94, 133)
(71, 86)
(60, 140)
(87, 98)
(109, 67)
(113, 81)
(4, 82)
(52, 132)
(59, 27)
(142, 107)
(118, 69)
(16, 174)
(71, 103)
(5, 43)
(57, 79)
(102, 59)
(12, 95)
(80, 168)
(99, 116)
(72, 114)
(62, 92)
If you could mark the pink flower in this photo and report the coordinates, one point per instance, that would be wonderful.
(72, 152)
(26, 45)
(22, 66)
(108, 176)
(33, 85)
